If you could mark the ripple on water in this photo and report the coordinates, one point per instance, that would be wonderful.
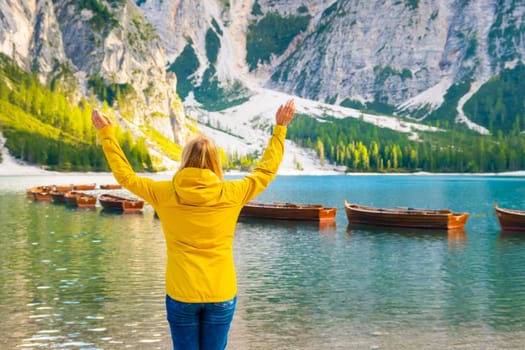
(82, 273)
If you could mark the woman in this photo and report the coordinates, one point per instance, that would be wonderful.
(198, 211)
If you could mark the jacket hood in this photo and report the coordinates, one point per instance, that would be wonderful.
(195, 186)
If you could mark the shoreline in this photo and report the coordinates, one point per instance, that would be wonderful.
(14, 168)
(10, 166)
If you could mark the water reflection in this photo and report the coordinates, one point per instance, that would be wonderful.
(508, 282)
(119, 213)
(455, 235)
(324, 226)
(513, 236)
(79, 278)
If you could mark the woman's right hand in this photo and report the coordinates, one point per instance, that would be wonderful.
(99, 120)
(284, 114)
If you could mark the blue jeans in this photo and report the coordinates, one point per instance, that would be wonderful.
(200, 326)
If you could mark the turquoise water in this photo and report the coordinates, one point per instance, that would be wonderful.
(90, 280)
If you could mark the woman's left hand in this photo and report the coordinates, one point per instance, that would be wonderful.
(100, 120)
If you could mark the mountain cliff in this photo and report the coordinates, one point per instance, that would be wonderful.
(95, 44)
(404, 54)
(445, 63)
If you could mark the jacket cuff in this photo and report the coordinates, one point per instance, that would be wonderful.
(279, 130)
(105, 132)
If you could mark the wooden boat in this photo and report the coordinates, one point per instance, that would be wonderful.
(442, 219)
(84, 187)
(80, 199)
(62, 188)
(30, 192)
(114, 203)
(110, 187)
(45, 193)
(42, 196)
(40, 193)
(288, 211)
(510, 219)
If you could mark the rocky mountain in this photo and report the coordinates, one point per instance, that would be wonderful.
(402, 53)
(397, 57)
(91, 42)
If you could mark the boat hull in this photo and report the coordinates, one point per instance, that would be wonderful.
(63, 188)
(408, 218)
(110, 187)
(80, 200)
(40, 193)
(42, 196)
(58, 196)
(84, 187)
(288, 211)
(510, 219)
(120, 204)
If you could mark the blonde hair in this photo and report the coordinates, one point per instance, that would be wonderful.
(200, 152)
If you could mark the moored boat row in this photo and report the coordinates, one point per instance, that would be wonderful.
(357, 215)
(75, 196)
(45, 193)
(360, 215)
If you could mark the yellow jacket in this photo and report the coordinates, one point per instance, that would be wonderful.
(198, 213)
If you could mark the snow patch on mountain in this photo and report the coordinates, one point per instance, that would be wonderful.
(431, 98)
(246, 128)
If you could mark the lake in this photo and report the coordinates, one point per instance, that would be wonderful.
(86, 279)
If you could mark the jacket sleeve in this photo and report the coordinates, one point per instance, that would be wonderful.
(266, 170)
(122, 170)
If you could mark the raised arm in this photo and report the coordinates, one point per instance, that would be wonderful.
(122, 170)
(267, 167)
